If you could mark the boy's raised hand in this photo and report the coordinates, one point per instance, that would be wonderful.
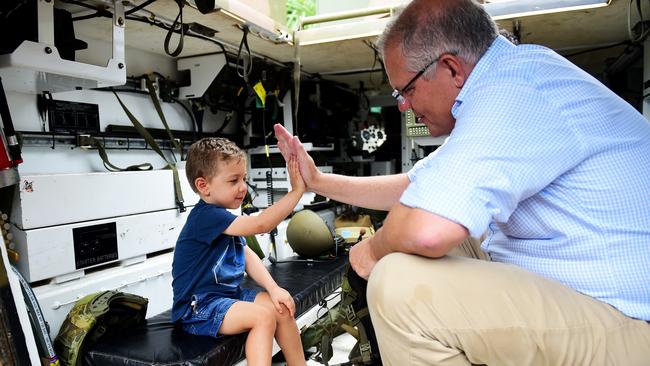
(297, 183)
(281, 298)
(290, 145)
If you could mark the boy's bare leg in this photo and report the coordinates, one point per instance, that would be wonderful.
(286, 332)
(261, 324)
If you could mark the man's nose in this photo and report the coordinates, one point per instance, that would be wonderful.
(403, 107)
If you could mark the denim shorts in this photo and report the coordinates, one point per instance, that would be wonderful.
(206, 314)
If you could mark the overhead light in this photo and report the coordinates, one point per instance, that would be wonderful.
(507, 9)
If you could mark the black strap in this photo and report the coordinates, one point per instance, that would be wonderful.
(168, 37)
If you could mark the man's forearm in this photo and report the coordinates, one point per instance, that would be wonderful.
(415, 231)
(378, 192)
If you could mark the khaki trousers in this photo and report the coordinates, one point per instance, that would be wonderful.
(461, 311)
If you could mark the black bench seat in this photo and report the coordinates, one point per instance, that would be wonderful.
(159, 342)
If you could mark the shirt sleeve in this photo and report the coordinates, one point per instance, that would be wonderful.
(212, 222)
(423, 162)
(507, 145)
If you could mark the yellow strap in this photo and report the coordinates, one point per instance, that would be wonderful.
(261, 92)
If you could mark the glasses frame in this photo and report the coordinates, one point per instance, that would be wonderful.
(398, 94)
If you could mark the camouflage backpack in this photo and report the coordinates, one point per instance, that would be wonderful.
(349, 315)
(92, 317)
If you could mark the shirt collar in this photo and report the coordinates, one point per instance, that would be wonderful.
(498, 47)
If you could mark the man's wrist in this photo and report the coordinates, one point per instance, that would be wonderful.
(377, 250)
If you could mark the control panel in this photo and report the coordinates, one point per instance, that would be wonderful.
(413, 128)
(94, 244)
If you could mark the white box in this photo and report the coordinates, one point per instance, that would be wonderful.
(56, 199)
(151, 279)
(49, 253)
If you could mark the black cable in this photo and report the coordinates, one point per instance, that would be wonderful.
(17, 6)
(597, 49)
(376, 60)
(99, 13)
(80, 3)
(134, 91)
(163, 26)
(226, 122)
(194, 125)
(172, 30)
(139, 7)
(247, 64)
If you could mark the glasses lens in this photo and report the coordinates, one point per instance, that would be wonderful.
(398, 96)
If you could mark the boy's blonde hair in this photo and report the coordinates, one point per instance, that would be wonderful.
(204, 155)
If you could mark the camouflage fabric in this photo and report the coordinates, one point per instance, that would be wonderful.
(349, 315)
(92, 317)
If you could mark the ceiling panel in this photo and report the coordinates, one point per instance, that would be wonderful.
(340, 48)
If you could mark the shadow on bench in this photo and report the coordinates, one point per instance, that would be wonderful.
(159, 342)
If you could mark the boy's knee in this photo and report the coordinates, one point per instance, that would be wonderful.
(265, 318)
(284, 317)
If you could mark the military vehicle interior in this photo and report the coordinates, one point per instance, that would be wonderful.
(75, 74)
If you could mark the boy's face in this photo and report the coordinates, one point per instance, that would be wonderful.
(227, 188)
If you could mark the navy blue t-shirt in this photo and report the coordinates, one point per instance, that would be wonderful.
(205, 259)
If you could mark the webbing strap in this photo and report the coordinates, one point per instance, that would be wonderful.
(156, 103)
(89, 141)
(364, 344)
(150, 140)
(326, 349)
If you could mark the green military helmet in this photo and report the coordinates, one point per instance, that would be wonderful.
(308, 235)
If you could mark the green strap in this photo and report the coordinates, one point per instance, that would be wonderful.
(87, 140)
(156, 103)
(326, 350)
(364, 344)
(150, 140)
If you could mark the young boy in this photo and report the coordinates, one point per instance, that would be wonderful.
(211, 256)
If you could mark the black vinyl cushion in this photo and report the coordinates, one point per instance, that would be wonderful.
(160, 342)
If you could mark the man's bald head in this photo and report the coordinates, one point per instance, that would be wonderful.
(424, 29)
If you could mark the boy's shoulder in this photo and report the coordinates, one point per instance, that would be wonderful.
(208, 214)
(203, 206)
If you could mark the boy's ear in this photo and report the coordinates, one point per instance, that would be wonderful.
(201, 185)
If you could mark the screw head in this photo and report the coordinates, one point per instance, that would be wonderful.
(48, 50)
(120, 65)
(120, 21)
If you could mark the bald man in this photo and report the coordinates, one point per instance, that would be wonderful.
(542, 157)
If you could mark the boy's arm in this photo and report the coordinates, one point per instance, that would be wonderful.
(267, 219)
(256, 270)
(272, 216)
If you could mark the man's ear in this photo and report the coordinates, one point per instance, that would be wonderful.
(457, 69)
(201, 185)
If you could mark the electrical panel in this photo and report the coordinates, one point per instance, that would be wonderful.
(95, 244)
(67, 116)
(413, 128)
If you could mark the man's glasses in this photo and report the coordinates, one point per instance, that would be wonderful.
(398, 94)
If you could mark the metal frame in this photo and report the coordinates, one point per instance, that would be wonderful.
(35, 67)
